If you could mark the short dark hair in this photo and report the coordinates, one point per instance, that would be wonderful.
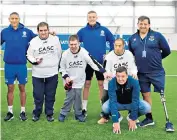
(121, 39)
(141, 18)
(74, 37)
(42, 24)
(90, 12)
(121, 69)
(14, 13)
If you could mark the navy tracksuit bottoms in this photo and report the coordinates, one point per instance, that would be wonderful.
(44, 89)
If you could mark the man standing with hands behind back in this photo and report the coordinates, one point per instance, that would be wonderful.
(149, 48)
(94, 37)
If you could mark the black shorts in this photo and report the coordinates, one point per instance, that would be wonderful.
(89, 73)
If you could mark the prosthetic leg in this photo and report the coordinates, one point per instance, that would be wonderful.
(168, 125)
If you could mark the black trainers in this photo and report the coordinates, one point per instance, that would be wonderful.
(84, 112)
(80, 118)
(146, 122)
(35, 118)
(169, 127)
(50, 118)
(23, 116)
(9, 116)
(61, 118)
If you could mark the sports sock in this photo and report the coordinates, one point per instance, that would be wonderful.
(22, 109)
(149, 116)
(10, 109)
(84, 104)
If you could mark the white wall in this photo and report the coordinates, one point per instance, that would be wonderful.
(69, 18)
(172, 40)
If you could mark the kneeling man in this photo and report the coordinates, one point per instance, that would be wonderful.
(124, 92)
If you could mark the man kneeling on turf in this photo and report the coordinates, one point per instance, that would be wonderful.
(124, 92)
(72, 67)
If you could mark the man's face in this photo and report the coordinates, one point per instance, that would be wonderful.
(74, 46)
(14, 20)
(121, 77)
(92, 18)
(43, 32)
(118, 47)
(143, 26)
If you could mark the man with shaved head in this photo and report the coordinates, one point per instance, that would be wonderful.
(94, 38)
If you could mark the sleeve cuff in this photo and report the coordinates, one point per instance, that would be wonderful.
(115, 118)
(102, 70)
(133, 117)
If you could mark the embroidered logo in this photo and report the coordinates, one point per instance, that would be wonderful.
(24, 34)
(75, 56)
(102, 33)
(151, 38)
(121, 58)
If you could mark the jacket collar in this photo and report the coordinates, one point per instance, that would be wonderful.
(20, 26)
(97, 25)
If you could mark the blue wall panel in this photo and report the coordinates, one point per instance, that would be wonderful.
(64, 41)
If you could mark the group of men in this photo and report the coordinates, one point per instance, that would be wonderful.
(121, 74)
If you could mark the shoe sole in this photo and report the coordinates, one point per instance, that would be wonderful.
(50, 120)
(22, 119)
(10, 119)
(35, 120)
(61, 120)
(80, 120)
(149, 124)
(169, 130)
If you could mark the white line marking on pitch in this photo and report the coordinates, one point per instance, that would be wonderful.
(171, 75)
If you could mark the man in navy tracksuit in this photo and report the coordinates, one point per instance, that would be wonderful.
(149, 48)
(94, 37)
(16, 37)
(124, 92)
